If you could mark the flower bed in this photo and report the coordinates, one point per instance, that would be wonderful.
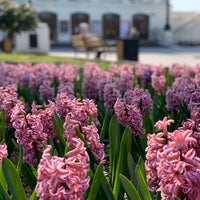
(126, 132)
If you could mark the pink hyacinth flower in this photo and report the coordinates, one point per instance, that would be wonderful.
(162, 125)
(65, 177)
(3, 151)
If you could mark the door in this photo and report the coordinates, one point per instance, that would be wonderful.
(76, 19)
(51, 20)
(111, 26)
(141, 23)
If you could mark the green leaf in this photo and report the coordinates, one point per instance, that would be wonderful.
(142, 183)
(33, 196)
(30, 174)
(141, 165)
(114, 141)
(3, 128)
(2, 118)
(104, 127)
(58, 125)
(106, 189)
(3, 193)
(13, 180)
(20, 159)
(131, 167)
(2, 179)
(95, 183)
(147, 123)
(129, 188)
(122, 165)
(158, 196)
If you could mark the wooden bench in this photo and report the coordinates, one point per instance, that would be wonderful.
(90, 42)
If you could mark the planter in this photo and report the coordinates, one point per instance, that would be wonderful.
(7, 46)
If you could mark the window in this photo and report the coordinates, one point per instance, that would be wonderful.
(33, 40)
(63, 26)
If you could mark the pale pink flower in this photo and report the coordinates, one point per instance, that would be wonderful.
(64, 177)
(162, 125)
(3, 151)
(181, 139)
(172, 164)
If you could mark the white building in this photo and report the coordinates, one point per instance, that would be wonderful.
(112, 19)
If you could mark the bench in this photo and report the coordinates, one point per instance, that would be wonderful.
(90, 42)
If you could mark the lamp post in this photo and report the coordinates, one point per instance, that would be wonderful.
(167, 25)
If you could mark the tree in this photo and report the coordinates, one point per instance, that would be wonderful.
(16, 18)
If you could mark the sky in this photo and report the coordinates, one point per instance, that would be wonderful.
(185, 5)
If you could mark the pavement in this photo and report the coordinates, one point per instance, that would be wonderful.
(152, 55)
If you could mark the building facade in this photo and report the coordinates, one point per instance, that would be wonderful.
(112, 19)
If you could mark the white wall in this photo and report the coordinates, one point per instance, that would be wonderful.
(22, 40)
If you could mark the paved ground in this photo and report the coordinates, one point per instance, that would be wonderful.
(165, 56)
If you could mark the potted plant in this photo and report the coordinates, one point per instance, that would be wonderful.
(14, 19)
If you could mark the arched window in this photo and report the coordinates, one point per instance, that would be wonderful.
(141, 23)
(76, 19)
(51, 20)
(111, 26)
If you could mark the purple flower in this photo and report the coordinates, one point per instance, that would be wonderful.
(111, 93)
(180, 94)
(147, 75)
(67, 88)
(46, 90)
(139, 97)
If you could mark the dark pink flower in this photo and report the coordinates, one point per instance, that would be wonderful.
(29, 133)
(130, 116)
(90, 133)
(158, 83)
(8, 100)
(45, 113)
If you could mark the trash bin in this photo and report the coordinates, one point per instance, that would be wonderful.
(127, 49)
